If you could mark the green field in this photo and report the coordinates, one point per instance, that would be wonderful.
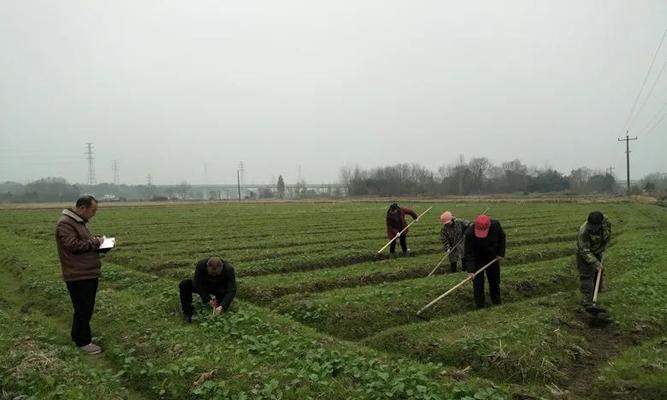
(319, 315)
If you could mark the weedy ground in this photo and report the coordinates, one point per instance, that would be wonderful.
(320, 315)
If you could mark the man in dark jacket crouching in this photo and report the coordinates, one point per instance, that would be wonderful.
(212, 277)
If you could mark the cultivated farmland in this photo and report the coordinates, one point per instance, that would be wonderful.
(319, 315)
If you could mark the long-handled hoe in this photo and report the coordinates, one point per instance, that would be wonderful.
(595, 309)
(449, 251)
(470, 277)
(403, 230)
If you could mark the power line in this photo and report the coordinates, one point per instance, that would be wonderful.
(641, 89)
(650, 125)
(655, 82)
(657, 123)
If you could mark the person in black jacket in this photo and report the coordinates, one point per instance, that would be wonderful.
(212, 277)
(484, 241)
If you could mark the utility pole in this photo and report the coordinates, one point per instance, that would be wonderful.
(627, 155)
(242, 171)
(91, 165)
(114, 167)
(238, 182)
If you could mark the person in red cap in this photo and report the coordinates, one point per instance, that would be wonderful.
(484, 241)
(396, 223)
(451, 237)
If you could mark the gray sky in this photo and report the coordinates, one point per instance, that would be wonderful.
(167, 87)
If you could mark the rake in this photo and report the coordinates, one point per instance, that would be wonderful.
(437, 299)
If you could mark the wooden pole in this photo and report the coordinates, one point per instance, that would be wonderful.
(437, 299)
(597, 285)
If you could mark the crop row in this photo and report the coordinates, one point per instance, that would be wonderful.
(248, 353)
(355, 313)
(266, 288)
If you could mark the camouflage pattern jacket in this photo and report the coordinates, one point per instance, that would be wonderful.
(590, 245)
(452, 233)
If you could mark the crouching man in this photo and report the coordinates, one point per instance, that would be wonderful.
(212, 277)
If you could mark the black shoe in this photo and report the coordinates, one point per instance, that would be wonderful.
(187, 318)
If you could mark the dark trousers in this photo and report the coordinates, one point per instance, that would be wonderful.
(588, 274)
(186, 288)
(82, 294)
(493, 276)
(404, 244)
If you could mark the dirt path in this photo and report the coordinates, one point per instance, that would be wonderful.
(604, 342)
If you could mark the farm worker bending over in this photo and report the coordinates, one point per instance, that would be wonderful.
(484, 241)
(395, 224)
(593, 239)
(451, 236)
(78, 251)
(213, 276)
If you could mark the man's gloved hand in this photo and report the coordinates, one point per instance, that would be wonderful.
(598, 265)
(213, 303)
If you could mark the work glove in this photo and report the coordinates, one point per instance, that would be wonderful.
(598, 265)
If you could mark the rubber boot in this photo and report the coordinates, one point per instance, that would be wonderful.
(452, 267)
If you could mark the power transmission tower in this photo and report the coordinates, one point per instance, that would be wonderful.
(91, 165)
(116, 175)
(238, 182)
(242, 172)
(627, 155)
(609, 171)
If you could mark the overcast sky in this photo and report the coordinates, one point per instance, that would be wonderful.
(177, 88)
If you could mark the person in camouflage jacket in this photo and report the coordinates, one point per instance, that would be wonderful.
(451, 237)
(593, 239)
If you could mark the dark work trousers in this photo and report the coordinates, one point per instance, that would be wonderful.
(493, 275)
(187, 288)
(404, 245)
(588, 275)
(82, 294)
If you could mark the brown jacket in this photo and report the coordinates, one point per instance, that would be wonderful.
(393, 230)
(77, 248)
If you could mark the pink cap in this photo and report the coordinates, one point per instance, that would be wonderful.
(446, 217)
(482, 226)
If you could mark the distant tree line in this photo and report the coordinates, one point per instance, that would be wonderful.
(474, 177)
(59, 190)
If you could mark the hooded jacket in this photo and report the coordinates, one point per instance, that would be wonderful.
(77, 248)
